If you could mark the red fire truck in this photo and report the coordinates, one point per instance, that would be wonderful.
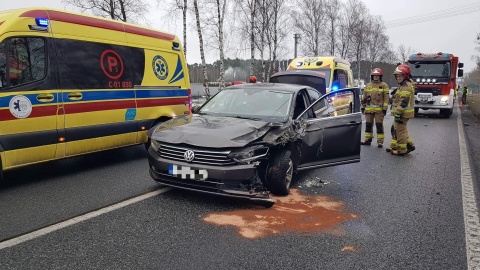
(435, 77)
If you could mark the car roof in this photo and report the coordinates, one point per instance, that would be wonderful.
(300, 72)
(270, 86)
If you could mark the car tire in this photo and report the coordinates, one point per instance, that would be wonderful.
(415, 112)
(280, 173)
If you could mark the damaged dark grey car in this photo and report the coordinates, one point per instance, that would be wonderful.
(249, 140)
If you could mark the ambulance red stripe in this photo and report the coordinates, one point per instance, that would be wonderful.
(93, 22)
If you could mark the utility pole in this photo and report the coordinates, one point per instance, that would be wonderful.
(296, 37)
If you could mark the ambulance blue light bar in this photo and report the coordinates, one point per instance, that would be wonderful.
(42, 22)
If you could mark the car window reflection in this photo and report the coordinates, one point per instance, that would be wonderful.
(335, 104)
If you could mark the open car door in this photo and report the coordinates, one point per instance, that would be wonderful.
(333, 130)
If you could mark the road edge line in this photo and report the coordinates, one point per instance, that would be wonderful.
(46, 230)
(470, 210)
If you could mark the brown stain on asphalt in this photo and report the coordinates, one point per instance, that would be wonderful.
(293, 213)
(349, 249)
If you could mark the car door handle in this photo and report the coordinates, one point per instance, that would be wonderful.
(45, 97)
(75, 96)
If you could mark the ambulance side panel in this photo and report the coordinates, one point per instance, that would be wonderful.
(29, 104)
(164, 91)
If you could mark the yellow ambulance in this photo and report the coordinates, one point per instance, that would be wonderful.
(73, 84)
(337, 70)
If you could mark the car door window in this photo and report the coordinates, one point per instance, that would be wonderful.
(334, 104)
(300, 105)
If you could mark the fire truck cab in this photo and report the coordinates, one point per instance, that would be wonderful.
(435, 76)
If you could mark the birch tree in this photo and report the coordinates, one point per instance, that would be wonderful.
(309, 19)
(122, 10)
(202, 51)
(404, 53)
(358, 29)
(332, 8)
(248, 11)
(377, 46)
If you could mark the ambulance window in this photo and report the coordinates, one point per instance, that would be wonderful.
(26, 60)
(340, 78)
(3, 64)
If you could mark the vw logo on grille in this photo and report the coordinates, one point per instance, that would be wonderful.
(189, 155)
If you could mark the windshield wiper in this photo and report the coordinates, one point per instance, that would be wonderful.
(249, 118)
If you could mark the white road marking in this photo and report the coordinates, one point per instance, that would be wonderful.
(470, 210)
(41, 232)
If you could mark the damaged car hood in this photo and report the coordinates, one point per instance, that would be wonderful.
(210, 131)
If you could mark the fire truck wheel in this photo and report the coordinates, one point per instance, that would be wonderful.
(445, 113)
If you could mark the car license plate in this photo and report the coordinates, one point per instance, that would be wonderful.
(423, 98)
(187, 172)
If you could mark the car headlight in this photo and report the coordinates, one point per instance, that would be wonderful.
(444, 101)
(249, 153)
(155, 145)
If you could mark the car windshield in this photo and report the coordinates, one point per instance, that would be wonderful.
(250, 103)
(437, 70)
(312, 81)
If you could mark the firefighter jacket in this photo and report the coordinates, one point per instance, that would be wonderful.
(465, 91)
(404, 100)
(375, 97)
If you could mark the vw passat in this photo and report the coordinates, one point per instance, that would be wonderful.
(249, 140)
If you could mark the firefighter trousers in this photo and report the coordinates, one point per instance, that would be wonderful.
(400, 139)
(369, 121)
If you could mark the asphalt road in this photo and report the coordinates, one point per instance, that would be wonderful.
(385, 212)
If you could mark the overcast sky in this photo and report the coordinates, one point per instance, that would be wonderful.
(421, 30)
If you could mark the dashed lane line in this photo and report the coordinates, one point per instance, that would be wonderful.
(46, 230)
(470, 210)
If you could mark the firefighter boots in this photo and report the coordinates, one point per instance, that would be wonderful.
(410, 148)
(366, 142)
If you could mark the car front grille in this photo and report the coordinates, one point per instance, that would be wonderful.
(434, 90)
(205, 156)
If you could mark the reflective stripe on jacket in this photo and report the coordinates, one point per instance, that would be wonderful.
(375, 97)
(403, 101)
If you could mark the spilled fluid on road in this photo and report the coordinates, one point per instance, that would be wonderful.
(293, 213)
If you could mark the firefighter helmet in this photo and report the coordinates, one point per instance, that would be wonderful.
(376, 72)
(402, 70)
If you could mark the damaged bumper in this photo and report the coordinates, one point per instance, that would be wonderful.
(231, 181)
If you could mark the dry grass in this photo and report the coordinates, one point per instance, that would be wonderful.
(473, 102)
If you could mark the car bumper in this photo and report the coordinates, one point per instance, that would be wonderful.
(221, 180)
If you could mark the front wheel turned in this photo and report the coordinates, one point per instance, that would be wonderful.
(280, 173)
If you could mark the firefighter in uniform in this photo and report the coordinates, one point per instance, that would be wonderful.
(374, 106)
(402, 110)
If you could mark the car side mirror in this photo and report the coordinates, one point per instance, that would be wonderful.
(460, 73)
(195, 108)
(460, 65)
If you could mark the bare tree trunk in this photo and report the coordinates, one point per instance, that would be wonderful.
(220, 17)
(185, 6)
(202, 52)
(123, 11)
(253, 7)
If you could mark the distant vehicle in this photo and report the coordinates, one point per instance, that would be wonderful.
(435, 77)
(338, 73)
(249, 140)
